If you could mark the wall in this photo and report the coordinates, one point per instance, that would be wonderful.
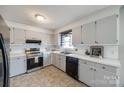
(121, 47)
(110, 51)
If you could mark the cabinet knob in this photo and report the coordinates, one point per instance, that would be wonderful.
(103, 68)
(85, 62)
(96, 42)
(91, 68)
(94, 69)
(82, 42)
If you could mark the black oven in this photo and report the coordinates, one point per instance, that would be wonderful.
(31, 63)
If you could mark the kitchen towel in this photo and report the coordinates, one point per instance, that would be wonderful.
(36, 59)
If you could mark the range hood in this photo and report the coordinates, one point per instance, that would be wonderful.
(33, 41)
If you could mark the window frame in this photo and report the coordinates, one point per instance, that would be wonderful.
(61, 38)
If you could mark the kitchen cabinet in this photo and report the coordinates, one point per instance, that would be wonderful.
(57, 58)
(46, 59)
(17, 65)
(63, 63)
(86, 73)
(97, 75)
(59, 61)
(33, 35)
(105, 78)
(106, 30)
(53, 59)
(103, 31)
(88, 33)
(11, 35)
(17, 36)
(76, 35)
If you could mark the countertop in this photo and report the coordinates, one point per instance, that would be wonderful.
(105, 61)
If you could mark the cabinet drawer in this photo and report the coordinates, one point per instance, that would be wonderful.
(107, 68)
(13, 59)
(85, 62)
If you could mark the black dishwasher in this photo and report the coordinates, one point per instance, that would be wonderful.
(72, 67)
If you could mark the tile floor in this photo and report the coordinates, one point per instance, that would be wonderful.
(46, 77)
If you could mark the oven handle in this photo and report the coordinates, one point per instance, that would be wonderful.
(33, 57)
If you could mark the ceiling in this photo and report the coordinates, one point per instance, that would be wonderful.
(56, 15)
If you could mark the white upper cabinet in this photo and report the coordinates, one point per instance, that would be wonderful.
(103, 31)
(17, 36)
(76, 35)
(33, 35)
(106, 30)
(88, 33)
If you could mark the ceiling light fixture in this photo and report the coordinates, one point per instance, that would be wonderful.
(40, 17)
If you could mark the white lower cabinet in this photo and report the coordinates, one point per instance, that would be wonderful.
(105, 78)
(86, 74)
(63, 63)
(46, 59)
(59, 61)
(97, 75)
(53, 59)
(17, 66)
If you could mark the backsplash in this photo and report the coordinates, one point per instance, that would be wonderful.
(109, 51)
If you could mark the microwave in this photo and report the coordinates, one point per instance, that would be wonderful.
(96, 51)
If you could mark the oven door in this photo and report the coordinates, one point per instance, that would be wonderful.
(32, 64)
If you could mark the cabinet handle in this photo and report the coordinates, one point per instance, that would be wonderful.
(91, 68)
(94, 69)
(103, 68)
(82, 43)
(85, 62)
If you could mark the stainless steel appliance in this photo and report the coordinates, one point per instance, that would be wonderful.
(97, 51)
(33, 41)
(72, 67)
(34, 59)
(4, 54)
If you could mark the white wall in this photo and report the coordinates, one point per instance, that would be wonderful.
(28, 27)
(109, 51)
(121, 47)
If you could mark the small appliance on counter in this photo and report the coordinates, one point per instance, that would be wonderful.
(34, 59)
(97, 51)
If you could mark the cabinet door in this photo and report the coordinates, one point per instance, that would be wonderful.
(53, 58)
(57, 61)
(106, 30)
(63, 63)
(46, 59)
(17, 66)
(86, 74)
(11, 36)
(105, 79)
(88, 33)
(18, 36)
(76, 35)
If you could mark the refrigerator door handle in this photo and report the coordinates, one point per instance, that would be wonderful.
(5, 63)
